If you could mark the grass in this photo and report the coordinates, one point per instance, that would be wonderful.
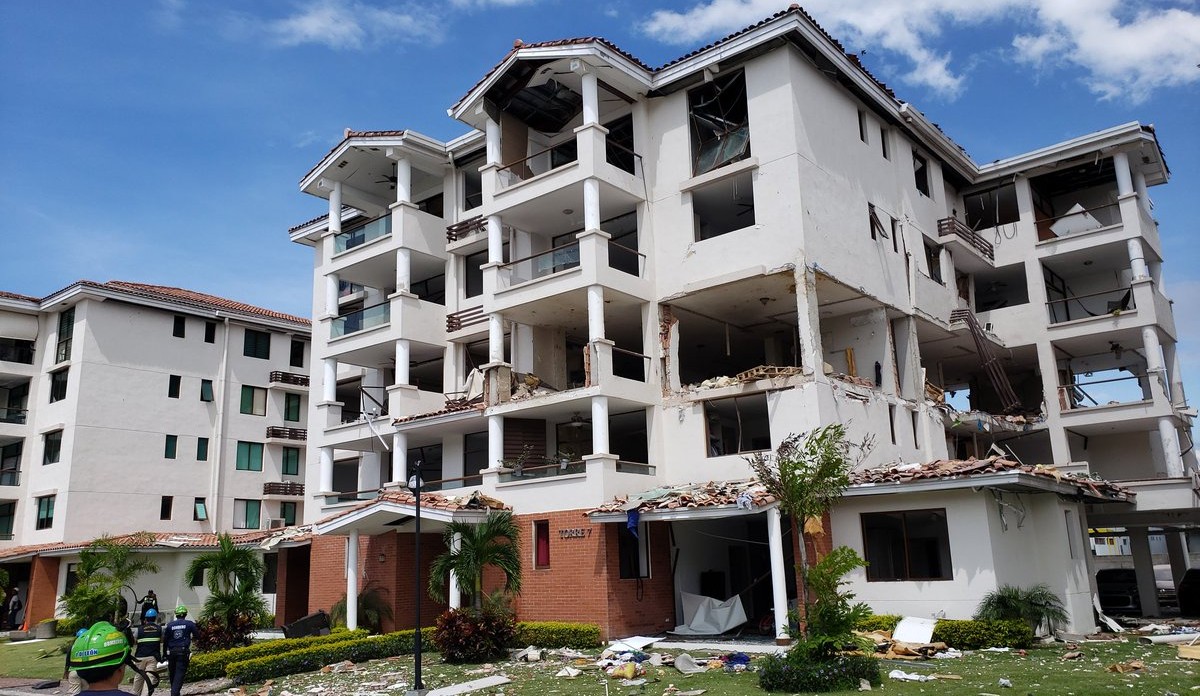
(1040, 672)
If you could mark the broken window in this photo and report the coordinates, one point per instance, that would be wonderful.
(429, 458)
(719, 122)
(472, 184)
(921, 173)
(877, 228)
(862, 125)
(908, 545)
(995, 206)
(723, 206)
(634, 551)
(738, 424)
(473, 267)
(933, 260)
(618, 150)
(883, 145)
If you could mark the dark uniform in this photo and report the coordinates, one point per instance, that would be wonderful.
(146, 651)
(177, 644)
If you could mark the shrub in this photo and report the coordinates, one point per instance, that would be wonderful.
(793, 672)
(832, 615)
(474, 635)
(373, 609)
(878, 622)
(222, 633)
(211, 665)
(1035, 605)
(973, 635)
(313, 658)
(557, 634)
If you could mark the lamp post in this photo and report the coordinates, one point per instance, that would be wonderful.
(414, 484)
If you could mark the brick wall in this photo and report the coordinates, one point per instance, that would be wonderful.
(291, 585)
(327, 572)
(400, 575)
(646, 606)
(42, 596)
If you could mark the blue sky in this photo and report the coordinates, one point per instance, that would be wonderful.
(162, 142)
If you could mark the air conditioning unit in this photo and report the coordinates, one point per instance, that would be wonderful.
(275, 523)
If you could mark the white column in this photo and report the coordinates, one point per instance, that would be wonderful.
(329, 380)
(495, 338)
(403, 351)
(495, 231)
(335, 208)
(326, 464)
(600, 443)
(399, 457)
(454, 591)
(352, 581)
(403, 269)
(1170, 447)
(331, 294)
(492, 131)
(1137, 259)
(591, 204)
(1143, 568)
(778, 570)
(1139, 185)
(403, 180)
(1155, 374)
(370, 471)
(1124, 175)
(495, 441)
(595, 299)
(591, 98)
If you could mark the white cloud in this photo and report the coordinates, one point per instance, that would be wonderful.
(467, 4)
(351, 25)
(169, 15)
(1127, 49)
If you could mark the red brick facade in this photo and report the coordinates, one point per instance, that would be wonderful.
(43, 590)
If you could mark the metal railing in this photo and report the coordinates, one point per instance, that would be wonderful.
(630, 365)
(379, 227)
(282, 433)
(622, 157)
(465, 228)
(534, 165)
(1077, 221)
(1074, 396)
(1101, 303)
(281, 377)
(16, 416)
(361, 320)
(627, 260)
(953, 226)
(292, 488)
(10, 477)
(464, 318)
(554, 468)
(542, 264)
(641, 468)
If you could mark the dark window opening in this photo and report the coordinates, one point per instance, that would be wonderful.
(433, 205)
(737, 425)
(921, 173)
(475, 449)
(170, 446)
(180, 327)
(173, 383)
(287, 513)
(202, 449)
(297, 354)
(933, 260)
(431, 289)
(862, 125)
(723, 206)
(45, 512)
(210, 332)
(16, 350)
(877, 228)
(66, 329)
(53, 447)
(206, 390)
(291, 461)
(883, 142)
(541, 544)
(473, 267)
(430, 457)
(291, 407)
(8, 517)
(270, 573)
(619, 150)
(634, 551)
(909, 545)
(472, 182)
(720, 123)
(996, 206)
(58, 385)
(164, 507)
(257, 344)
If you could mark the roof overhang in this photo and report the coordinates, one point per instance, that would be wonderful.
(1123, 137)
(715, 512)
(424, 151)
(388, 515)
(1013, 481)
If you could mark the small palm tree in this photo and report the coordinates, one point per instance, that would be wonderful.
(106, 567)
(492, 542)
(232, 574)
(373, 609)
(1035, 606)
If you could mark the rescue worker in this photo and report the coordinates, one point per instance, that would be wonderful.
(177, 644)
(100, 656)
(147, 648)
(150, 601)
(75, 685)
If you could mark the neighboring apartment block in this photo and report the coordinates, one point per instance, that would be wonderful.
(127, 407)
(624, 280)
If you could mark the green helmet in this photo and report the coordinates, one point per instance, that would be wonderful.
(181, 610)
(102, 645)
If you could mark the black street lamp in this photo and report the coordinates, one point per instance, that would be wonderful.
(414, 484)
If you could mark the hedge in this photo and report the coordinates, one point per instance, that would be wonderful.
(878, 622)
(965, 634)
(313, 658)
(212, 665)
(557, 634)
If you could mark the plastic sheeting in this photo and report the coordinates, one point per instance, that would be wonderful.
(705, 616)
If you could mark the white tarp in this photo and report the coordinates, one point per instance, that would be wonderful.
(705, 616)
(914, 629)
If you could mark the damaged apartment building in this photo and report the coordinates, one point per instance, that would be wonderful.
(622, 280)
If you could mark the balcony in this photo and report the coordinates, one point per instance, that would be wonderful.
(16, 416)
(288, 381)
(973, 253)
(283, 489)
(10, 477)
(466, 229)
(375, 229)
(278, 432)
(361, 320)
(1093, 304)
(367, 336)
(462, 319)
(16, 351)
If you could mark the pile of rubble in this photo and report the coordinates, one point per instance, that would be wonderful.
(743, 493)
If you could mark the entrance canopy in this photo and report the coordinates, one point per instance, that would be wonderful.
(394, 510)
(689, 502)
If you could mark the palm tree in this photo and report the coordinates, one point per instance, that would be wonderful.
(122, 565)
(106, 567)
(492, 542)
(232, 574)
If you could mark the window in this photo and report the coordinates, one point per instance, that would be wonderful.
(173, 386)
(738, 424)
(52, 447)
(892, 421)
(58, 385)
(877, 229)
(199, 514)
(719, 122)
(933, 258)
(895, 235)
(472, 182)
(287, 513)
(723, 206)
(16, 350)
(473, 267)
(430, 458)
(164, 507)
(45, 512)
(180, 327)
(291, 461)
(541, 544)
(246, 513)
(633, 550)
(10, 463)
(916, 426)
(210, 332)
(909, 545)
(921, 173)
(862, 125)
(297, 358)
(257, 344)
(254, 401)
(883, 145)
(202, 449)
(206, 390)
(197, 578)
(993, 207)
(66, 329)
(475, 454)
(249, 456)
(170, 446)
(270, 581)
(8, 517)
(291, 407)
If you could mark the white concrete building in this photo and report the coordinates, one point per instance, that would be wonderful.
(624, 278)
(141, 408)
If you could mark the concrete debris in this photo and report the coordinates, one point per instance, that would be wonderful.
(343, 666)
(1005, 683)
(692, 495)
(529, 654)
(901, 675)
(888, 647)
(633, 682)
(864, 685)
(1126, 667)
(687, 664)
(673, 690)
(569, 672)
(1073, 655)
(954, 468)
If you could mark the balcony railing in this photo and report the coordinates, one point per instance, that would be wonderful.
(464, 318)
(1104, 392)
(622, 157)
(1079, 221)
(292, 488)
(10, 477)
(1092, 304)
(452, 483)
(541, 264)
(626, 260)
(466, 228)
(16, 351)
(635, 468)
(380, 227)
(630, 365)
(13, 415)
(282, 377)
(363, 319)
(538, 163)
(282, 433)
(560, 468)
(953, 226)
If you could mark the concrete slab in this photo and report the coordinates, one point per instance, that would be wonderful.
(468, 687)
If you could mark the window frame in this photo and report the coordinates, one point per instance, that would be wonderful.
(241, 518)
(628, 544)
(206, 390)
(202, 449)
(58, 384)
(171, 447)
(723, 147)
(179, 326)
(289, 520)
(199, 509)
(44, 512)
(292, 407)
(174, 386)
(210, 332)
(166, 504)
(66, 332)
(921, 176)
(709, 407)
(541, 544)
(296, 357)
(249, 456)
(906, 544)
(256, 344)
(52, 447)
(292, 454)
(253, 401)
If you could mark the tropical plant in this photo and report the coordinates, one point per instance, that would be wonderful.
(232, 574)
(474, 635)
(807, 474)
(106, 568)
(372, 610)
(474, 547)
(833, 615)
(1036, 606)
(3, 580)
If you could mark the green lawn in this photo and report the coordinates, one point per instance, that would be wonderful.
(21, 659)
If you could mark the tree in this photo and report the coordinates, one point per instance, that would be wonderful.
(807, 474)
(106, 568)
(1035, 606)
(232, 574)
(372, 608)
(492, 542)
